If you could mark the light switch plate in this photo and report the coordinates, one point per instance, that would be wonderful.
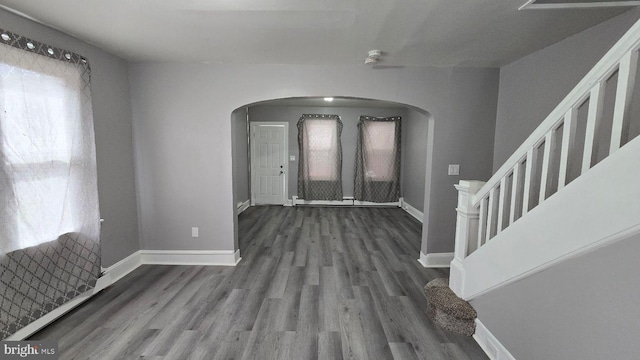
(454, 169)
(194, 232)
(292, 158)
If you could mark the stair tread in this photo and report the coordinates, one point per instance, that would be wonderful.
(464, 327)
(443, 298)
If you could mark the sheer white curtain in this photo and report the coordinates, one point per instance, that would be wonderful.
(378, 159)
(320, 163)
(48, 182)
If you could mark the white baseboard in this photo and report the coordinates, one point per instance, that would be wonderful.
(191, 257)
(369, 203)
(120, 269)
(417, 214)
(346, 201)
(236, 257)
(436, 260)
(103, 282)
(50, 317)
(242, 206)
(489, 344)
(123, 267)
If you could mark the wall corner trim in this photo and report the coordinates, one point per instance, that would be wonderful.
(123, 267)
(242, 206)
(236, 257)
(417, 214)
(436, 260)
(490, 344)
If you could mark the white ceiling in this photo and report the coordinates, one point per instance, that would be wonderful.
(410, 32)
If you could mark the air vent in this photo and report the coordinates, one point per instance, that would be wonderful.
(572, 4)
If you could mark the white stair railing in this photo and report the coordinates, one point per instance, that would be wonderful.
(550, 158)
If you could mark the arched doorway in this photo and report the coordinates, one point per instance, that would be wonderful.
(417, 146)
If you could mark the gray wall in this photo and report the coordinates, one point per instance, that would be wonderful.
(464, 137)
(184, 144)
(240, 157)
(349, 117)
(585, 308)
(414, 157)
(531, 87)
(114, 147)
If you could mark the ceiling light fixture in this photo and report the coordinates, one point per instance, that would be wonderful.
(328, 99)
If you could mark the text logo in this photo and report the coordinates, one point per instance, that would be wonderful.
(31, 350)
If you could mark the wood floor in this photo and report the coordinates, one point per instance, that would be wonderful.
(313, 283)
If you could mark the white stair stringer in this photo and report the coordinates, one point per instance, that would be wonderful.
(595, 210)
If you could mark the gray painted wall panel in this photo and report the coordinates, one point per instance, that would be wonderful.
(531, 87)
(183, 136)
(414, 157)
(585, 308)
(114, 139)
(240, 156)
(464, 136)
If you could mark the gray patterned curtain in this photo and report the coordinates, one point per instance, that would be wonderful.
(377, 167)
(49, 215)
(320, 165)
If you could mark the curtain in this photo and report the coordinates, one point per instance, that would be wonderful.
(49, 216)
(377, 166)
(320, 159)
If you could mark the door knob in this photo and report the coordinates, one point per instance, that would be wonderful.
(281, 172)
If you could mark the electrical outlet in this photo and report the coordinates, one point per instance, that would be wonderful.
(454, 169)
(292, 158)
(194, 232)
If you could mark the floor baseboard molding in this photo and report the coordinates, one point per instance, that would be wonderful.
(51, 316)
(490, 344)
(117, 271)
(123, 267)
(436, 260)
(191, 257)
(346, 201)
(103, 282)
(242, 206)
(417, 214)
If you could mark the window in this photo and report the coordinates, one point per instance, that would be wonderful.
(320, 165)
(322, 148)
(49, 243)
(377, 169)
(48, 180)
(381, 147)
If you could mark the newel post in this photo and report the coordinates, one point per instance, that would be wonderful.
(466, 231)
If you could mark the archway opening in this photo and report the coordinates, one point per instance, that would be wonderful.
(416, 142)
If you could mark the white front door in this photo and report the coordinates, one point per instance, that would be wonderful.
(269, 166)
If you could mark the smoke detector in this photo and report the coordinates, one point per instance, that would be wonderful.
(373, 57)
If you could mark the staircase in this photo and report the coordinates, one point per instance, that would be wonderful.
(570, 188)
